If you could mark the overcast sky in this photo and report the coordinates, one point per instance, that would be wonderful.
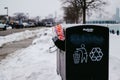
(33, 7)
(42, 7)
(112, 5)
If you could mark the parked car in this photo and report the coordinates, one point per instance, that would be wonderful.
(48, 24)
(25, 25)
(31, 24)
(39, 24)
(17, 26)
(3, 26)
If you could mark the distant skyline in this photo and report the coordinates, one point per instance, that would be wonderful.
(43, 8)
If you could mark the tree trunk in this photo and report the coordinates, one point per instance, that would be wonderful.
(84, 12)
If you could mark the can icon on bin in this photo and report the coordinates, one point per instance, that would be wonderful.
(76, 57)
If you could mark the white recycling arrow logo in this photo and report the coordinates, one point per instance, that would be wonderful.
(96, 54)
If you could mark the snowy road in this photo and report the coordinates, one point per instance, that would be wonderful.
(37, 63)
(11, 31)
(8, 46)
(13, 46)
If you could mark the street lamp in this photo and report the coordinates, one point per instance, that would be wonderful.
(7, 10)
(7, 17)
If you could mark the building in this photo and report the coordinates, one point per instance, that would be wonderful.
(117, 15)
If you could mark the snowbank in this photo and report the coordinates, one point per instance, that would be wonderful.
(115, 46)
(37, 63)
(114, 59)
(18, 36)
(32, 63)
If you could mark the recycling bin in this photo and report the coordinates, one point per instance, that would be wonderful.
(86, 53)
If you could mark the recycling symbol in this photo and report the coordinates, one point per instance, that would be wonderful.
(96, 54)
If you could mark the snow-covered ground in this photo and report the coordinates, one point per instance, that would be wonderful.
(37, 63)
(18, 36)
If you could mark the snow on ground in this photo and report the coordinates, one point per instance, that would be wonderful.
(114, 45)
(32, 63)
(18, 36)
(37, 63)
(114, 59)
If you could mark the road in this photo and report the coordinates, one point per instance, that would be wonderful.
(11, 47)
(10, 31)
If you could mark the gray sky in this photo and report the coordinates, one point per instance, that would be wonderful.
(112, 5)
(42, 7)
(33, 7)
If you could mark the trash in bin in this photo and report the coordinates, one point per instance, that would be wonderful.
(59, 38)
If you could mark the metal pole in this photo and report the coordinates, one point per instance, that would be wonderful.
(7, 22)
(7, 10)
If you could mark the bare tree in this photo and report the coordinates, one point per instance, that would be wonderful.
(84, 6)
(20, 16)
(71, 15)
